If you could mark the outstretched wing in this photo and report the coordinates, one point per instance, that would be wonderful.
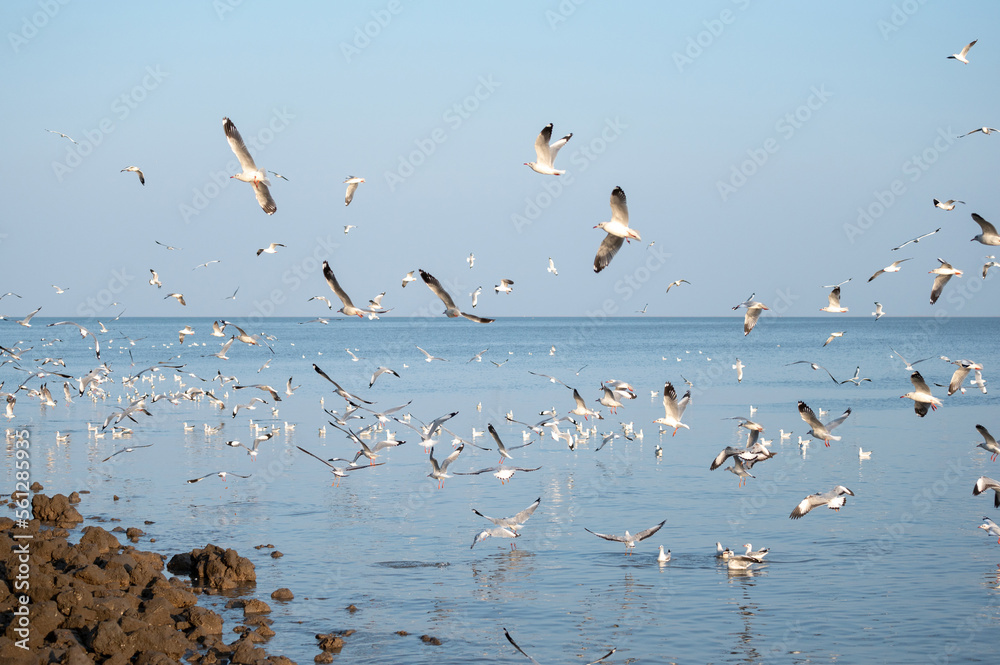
(609, 247)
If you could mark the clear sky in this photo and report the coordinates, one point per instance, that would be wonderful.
(749, 138)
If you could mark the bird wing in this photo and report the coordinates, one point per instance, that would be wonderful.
(310, 454)
(331, 280)
(618, 539)
(939, 283)
(876, 274)
(556, 146)
(477, 319)
(263, 195)
(833, 423)
(619, 208)
(642, 535)
(985, 433)
(807, 415)
(450, 458)
(834, 298)
(806, 505)
(750, 319)
(987, 228)
(670, 401)
(918, 382)
(350, 193)
(238, 147)
(543, 154)
(506, 634)
(957, 379)
(965, 51)
(523, 516)
(609, 247)
(921, 408)
(496, 437)
(580, 404)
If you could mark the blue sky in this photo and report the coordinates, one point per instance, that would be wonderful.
(749, 137)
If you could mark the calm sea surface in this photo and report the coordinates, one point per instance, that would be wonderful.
(900, 574)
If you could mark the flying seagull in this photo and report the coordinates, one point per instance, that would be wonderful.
(894, 267)
(984, 484)
(819, 430)
(944, 273)
(348, 309)
(352, 186)
(220, 474)
(984, 130)
(135, 169)
(676, 282)
(879, 312)
(754, 309)
(917, 239)
(673, 409)
(545, 153)
(504, 286)
(250, 174)
(921, 395)
(272, 248)
(834, 500)
(989, 232)
(62, 135)
(946, 205)
(451, 311)
(26, 321)
(617, 230)
(961, 56)
(834, 302)
(629, 540)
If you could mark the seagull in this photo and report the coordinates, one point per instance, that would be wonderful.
(739, 468)
(500, 447)
(989, 232)
(989, 444)
(545, 152)
(834, 302)
(59, 289)
(921, 395)
(514, 523)
(958, 378)
(833, 336)
(988, 265)
(551, 379)
(178, 296)
(984, 484)
(673, 409)
(376, 302)
(991, 528)
(167, 246)
(134, 169)
(329, 305)
(475, 296)
(429, 357)
(504, 286)
(496, 532)
(815, 366)
(440, 471)
(348, 227)
(278, 175)
(451, 310)
(864, 454)
(676, 282)
(340, 391)
(220, 474)
(617, 229)
(946, 205)
(270, 249)
(581, 408)
(187, 330)
(251, 173)
(379, 372)
(739, 370)
(352, 186)
(629, 540)
(339, 471)
(819, 430)
(663, 557)
(856, 379)
(917, 239)
(944, 273)
(758, 554)
(478, 357)
(511, 640)
(909, 365)
(834, 499)
(208, 263)
(879, 312)
(894, 267)
(9, 293)
(62, 135)
(348, 309)
(984, 130)
(552, 267)
(407, 278)
(126, 450)
(643, 310)
(221, 355)
(754, 309)
(26, 320)
(501, 473)
(961, 56)
(471, 260)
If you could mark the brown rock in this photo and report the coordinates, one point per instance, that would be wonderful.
(134, 533)
(245, 653)
(181, 564)
(323, 657)
(428, 639)
(36, 487)
(331, 643)
(255, 606)
(276, 554)
(55, 510)
(75, 497)
(204, 619)
(351, 608)
(113, 608)
(402, 632)
(109, 639)
(282, 594)
(95, 535)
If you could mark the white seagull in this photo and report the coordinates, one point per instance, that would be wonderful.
(921, 395)
(834, 499)
(552, 267)
(407, 278)
(545, 153)
(471, 260)
(739, 370)
(270, 249)
(894, 267)
(914, 240)
(944, 273)
(504, 286)
(984, 130)
(251, 174)
(879, 312)
(989, 444)
(676, 282)
(62, 135)
(135, 169)
(673, 409)
(475, 296)
(629, 540)
(834, 302)
(946, 205)
(989, 232)
(984, 484)
(754, 309)
(961, 55)
(819, 430)
(451, 310)
(617, 229)
(352, 186)
(348, 309)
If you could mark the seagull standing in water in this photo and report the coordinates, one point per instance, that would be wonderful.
(545, 152)
(251, 174)
(617, 229)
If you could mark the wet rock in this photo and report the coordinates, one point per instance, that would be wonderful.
(95, 535)
(282, 594)
(246, 653)
(323, 657)
(256, 606)
(118, 529)
(257, 620)
(351, 608)
(75, 497)
(330, 643)
(133, 533)
(115, 497)
(276, 554)
(222, 569)
(428, 639)
(55, 510)
(402, 632)
(181, 564)
(36, 487)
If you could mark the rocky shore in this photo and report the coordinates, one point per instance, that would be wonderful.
(99, 601)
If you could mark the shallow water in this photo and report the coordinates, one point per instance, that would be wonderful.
(901, 574)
